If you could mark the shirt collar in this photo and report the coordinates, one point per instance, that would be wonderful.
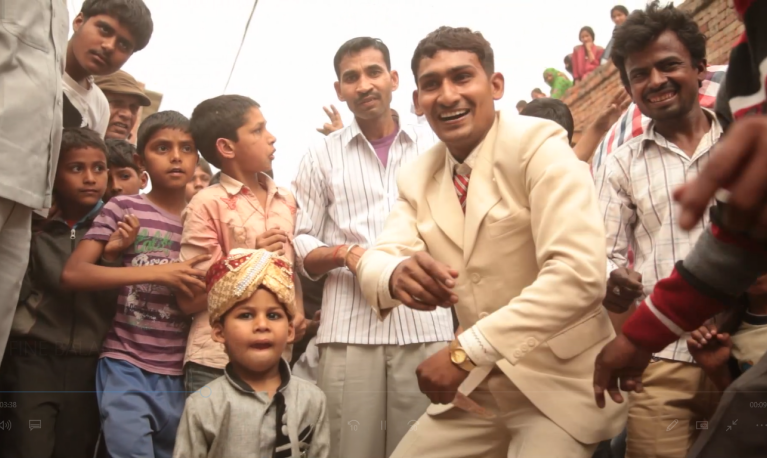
(234, 187)
(650, 134)
(353, 130)
(91, 215)
(468, 164)
(240, 384)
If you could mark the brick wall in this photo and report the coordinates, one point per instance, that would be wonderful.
(715, 18)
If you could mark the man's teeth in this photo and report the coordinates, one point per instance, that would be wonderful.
(453, 114)
(661, 98)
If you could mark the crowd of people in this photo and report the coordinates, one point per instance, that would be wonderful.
(484, 286)
(585, 58)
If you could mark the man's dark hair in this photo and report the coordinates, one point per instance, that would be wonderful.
(81, 137)
(120, 155)
(588, 30)
(158, 121)
(356, 45)
(620, 8)
(553, 110)
(454, 39)
(521, 104)
(537, 91)
(132, 14)
(219, 117)
(643, 27)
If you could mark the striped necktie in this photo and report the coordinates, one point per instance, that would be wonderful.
(461, 183)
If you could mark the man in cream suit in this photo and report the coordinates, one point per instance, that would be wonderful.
(520, 256)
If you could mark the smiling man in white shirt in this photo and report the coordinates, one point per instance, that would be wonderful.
(345, 188)
(661, 55)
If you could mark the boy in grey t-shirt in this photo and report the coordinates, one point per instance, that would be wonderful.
(257, 407)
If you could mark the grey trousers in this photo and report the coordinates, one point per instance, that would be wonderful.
(737, 429)
(15, 235)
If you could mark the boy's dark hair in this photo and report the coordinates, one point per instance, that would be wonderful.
(120, 155)
(132, 14)
(219, 117)
(521, 104)
(80, 137)
(643, 27)
(553, 110)
(161, 120)
(589, 30)
(454, 39)
(203, 164)
(537, 91)
(620, 8)
(356, 45)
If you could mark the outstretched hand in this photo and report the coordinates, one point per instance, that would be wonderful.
(739, 163)
(619, 363)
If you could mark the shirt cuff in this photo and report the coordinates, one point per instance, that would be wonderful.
(385, 299)
(477, 348)
(304, 244)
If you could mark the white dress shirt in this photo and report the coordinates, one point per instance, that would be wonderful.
(33, 49)
(635, 188)
(344, 194)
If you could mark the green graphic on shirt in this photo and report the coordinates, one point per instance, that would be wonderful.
(160, 241)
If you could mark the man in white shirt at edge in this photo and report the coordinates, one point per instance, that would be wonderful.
(30, 133)
(345, 188)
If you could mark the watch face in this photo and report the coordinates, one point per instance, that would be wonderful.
(458, 356)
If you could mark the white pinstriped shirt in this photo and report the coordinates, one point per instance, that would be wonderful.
(344, 195)
(635, 189)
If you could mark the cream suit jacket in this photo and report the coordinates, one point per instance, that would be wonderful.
(530, 253)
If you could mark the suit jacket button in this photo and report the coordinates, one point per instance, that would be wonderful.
(530, 342)
(475, 278)
(517, 354)
(525, 348)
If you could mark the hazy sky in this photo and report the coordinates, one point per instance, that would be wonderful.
(286, 63)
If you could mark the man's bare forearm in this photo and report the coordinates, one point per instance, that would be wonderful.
(324, 259)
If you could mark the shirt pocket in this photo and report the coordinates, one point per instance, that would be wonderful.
(29, 21)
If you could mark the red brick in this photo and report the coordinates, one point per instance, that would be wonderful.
(717, 21)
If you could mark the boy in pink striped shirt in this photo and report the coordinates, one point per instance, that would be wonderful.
(139, 380)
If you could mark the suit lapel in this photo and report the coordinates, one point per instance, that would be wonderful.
(483, 192)
(444, 205)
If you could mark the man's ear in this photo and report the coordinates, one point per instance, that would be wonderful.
(498, 83)
(225, 148)
(217, 332)
(702, 68)
(337, 86)
(416, 105)
(78, 22)
(394, 80)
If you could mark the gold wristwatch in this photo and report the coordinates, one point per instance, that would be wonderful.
(459, 357)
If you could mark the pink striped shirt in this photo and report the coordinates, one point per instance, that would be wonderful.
(149, 330)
